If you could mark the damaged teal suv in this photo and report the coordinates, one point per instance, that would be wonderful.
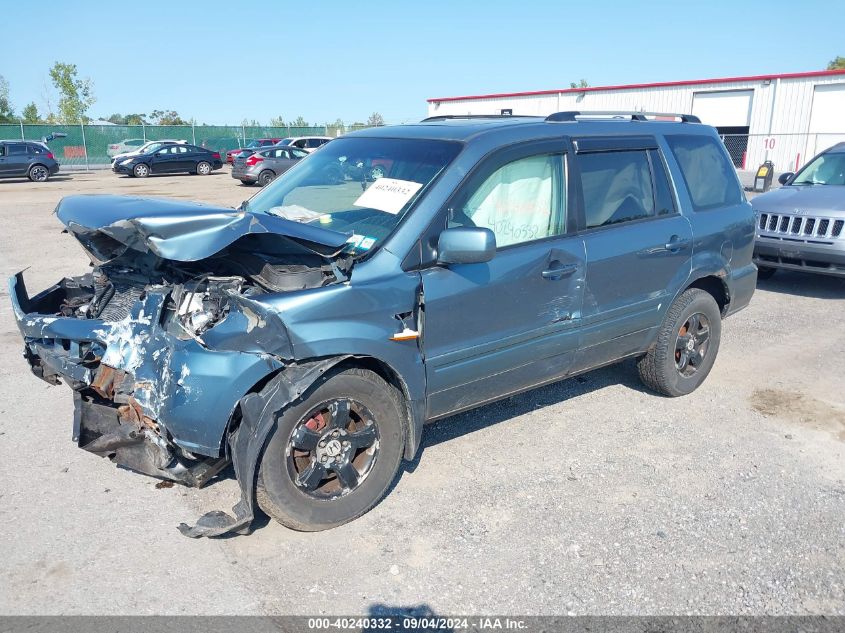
(398, 275)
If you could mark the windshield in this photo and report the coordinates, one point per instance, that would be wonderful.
(827, 169)
(151, 147)
(285, 141)
(254, 144)
(361, 186)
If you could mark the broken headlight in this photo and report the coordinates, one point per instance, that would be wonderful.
(200, 307)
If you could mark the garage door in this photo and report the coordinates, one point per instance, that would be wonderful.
(725, 108)
(828, 109)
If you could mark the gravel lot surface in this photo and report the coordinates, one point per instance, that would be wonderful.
(590, 496)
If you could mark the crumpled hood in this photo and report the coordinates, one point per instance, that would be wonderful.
(181, 231)
(822, 199)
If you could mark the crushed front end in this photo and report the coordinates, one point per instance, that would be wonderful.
(148, 393)
(167, 333)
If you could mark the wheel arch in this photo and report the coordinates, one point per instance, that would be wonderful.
(716, 287)
(412, 423)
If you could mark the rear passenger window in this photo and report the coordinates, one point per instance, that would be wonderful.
(618, 187)
(16, 148)
(708, 173)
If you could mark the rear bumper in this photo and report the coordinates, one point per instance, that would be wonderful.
(243, 175)
(741, 285)
(826, 259)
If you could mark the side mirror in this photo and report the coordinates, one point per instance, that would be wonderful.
(785, 176)
(466, 245)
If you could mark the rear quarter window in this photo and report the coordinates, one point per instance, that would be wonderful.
(707, 171)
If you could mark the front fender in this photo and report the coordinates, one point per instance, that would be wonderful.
(247, 444)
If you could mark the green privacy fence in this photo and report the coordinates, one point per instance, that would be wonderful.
(87, 146)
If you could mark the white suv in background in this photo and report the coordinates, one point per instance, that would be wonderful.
(124, 146)
(143, 148)
(307, 143)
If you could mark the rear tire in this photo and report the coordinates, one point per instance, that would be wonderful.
(38, 173)
(266, 177)
(686, 346)
(203, 168)
(764, 272)
(314, 489)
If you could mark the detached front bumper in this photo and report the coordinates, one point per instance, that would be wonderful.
(149, 400)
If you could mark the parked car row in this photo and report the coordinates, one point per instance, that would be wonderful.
(305, 143)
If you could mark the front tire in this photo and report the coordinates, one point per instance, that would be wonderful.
(332, 456)
(38, 173)
(203, 168)
(686, 345)
(141, 170)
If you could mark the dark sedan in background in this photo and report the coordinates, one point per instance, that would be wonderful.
(27, 159)
(263, 166)
(172, 159)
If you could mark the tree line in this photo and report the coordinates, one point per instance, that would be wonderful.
(76, 96)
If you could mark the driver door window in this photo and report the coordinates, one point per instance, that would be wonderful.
(520, 201)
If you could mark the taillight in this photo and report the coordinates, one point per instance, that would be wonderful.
(50, 155)
(254, 160)
(216, 155)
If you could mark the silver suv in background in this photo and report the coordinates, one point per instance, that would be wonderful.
(801, 226)
(263, 167)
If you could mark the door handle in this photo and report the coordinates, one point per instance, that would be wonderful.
(554, 274)
(675, 244)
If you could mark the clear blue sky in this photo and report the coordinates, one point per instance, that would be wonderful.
(221, 62)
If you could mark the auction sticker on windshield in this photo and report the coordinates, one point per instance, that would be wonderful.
(388, 195)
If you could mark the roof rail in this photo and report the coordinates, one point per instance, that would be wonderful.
(635, 116)
(447, 117)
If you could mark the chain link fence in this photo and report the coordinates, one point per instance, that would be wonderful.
(88, 146)
(788, 152)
